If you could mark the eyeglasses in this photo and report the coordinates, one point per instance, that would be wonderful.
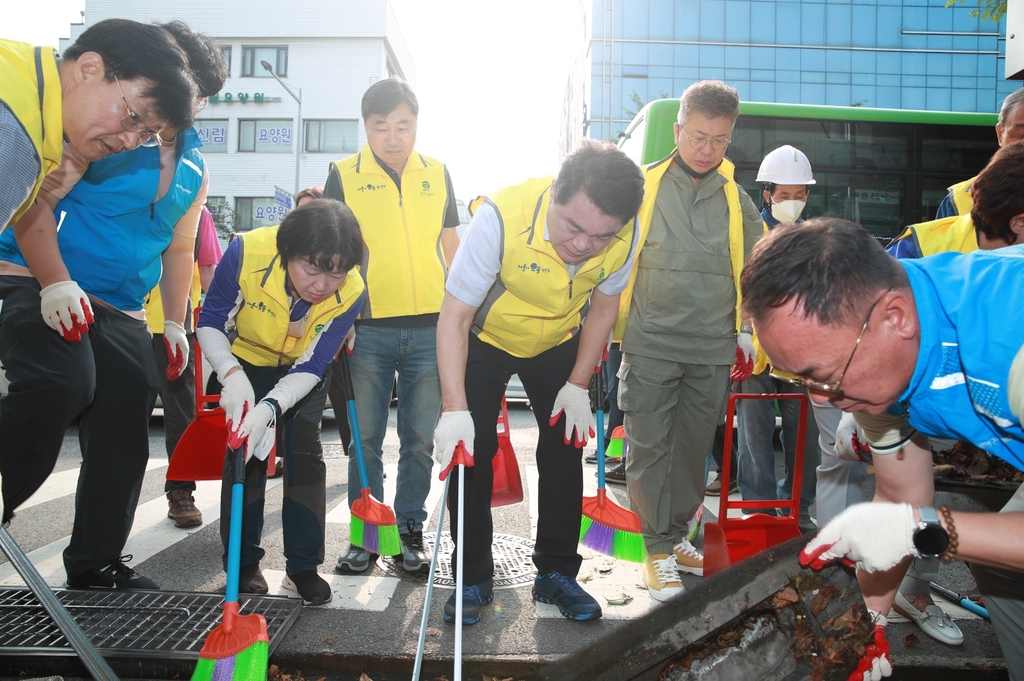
(698, 143)
(133, 123)
(832, 387)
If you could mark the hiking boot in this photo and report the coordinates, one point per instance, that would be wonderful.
(414, 556)
(688, 559)
(117, 575)
(562, 590)
(278, 468)
(715, 488)
(311, 586)
(251, 580)
(355, 560)
(661, 577)
(473, 598)
(616, 473)
(181, 508)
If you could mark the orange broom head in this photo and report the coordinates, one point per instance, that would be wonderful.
(605, 511)
(371, 511)
(234, 634)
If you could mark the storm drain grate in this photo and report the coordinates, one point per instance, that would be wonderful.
(513, 562)
(146, 624)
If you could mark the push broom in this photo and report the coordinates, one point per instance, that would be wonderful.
(238, 648)
(374, 526)
(607, 527)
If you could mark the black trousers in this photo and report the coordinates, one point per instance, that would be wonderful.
(336, 391)
(559, 466)
(109, 381)
(178, 398)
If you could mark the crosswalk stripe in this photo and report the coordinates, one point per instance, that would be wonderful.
(371, 593)
(339, 513)
(66, 482)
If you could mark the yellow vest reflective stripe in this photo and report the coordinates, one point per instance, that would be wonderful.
(962, 198)
(30, 88)
(154, 304)
(652, 180)
(405, 268)
(534, 305)
(262, 320)
(953, 233)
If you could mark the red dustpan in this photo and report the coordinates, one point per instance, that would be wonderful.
(507, 485)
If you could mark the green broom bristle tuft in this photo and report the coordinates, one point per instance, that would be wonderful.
(248, 665)
(356, 530)
(389, 541)
(629, 546)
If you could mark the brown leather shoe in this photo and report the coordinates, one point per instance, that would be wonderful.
(182, 509)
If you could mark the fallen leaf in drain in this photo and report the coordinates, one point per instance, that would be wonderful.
(495, 678)
(621, 599)
(329, 640)
(910, 641)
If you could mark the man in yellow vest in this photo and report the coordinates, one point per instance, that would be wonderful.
(538, 258)
(683, 330)
(1009, 129)
(406, 207)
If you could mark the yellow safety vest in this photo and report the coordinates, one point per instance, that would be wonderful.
(534, 304)
(404, 268)
(30, 88)
(652, 180)
(953, 233)
(262, 322)
(962, 198)
(154, 304)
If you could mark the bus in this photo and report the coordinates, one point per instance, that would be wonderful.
(881, 168)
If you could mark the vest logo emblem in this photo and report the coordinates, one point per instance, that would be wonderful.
(426, 186)
(533, 267)
(602, 274)
(369, 187)
(318, 328)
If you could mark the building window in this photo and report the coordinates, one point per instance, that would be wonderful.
(255, 212)
(332, 136)
(253, 56)
(226, 51)
(213, 133)
(273, 136)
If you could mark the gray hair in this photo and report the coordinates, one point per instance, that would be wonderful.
(1013, 100)
(713, 98)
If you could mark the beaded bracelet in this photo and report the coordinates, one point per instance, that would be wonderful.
(954, 542)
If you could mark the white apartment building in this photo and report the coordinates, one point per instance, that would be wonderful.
(326, 53)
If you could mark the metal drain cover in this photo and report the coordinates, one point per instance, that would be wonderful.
(513, 562)
(137, 624)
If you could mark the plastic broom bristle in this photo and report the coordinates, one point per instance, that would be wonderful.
(383, 540)
(629, 546)
(248, 665)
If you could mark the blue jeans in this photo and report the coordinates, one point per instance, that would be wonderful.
(757, 458)
(411, 351)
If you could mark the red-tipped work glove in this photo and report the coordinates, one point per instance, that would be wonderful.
(876, 663)
(744, 365)
(66, 310)
(177, 349)
(874, 536)
(236, 398)
(574, 402)
(851, 445)
(454, 428)
(257, 430)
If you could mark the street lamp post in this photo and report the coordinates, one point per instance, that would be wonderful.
(298, 123)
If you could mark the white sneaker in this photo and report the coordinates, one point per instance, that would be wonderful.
(688, 559)
(661, 577)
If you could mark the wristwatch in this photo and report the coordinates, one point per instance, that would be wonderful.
(746, 328)
(930, 538)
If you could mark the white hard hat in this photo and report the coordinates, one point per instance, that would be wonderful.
(785, 165)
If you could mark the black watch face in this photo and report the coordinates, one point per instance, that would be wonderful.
(931, 541)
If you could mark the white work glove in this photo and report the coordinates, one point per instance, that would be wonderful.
(851, 445)
(177, 349)
(876, 663)
(873, 535)
(236, 398)
(66, 310)
(258, 430)
(350, 339)
(744, 365)
(574, 402)
(454, 428)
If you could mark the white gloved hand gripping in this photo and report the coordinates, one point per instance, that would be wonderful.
(258, 429)
(574, 402)
(66, 310)
(744, 365)
(177, 349)
(851, 445)
(454, 428)
(874, 535)
(236, 398)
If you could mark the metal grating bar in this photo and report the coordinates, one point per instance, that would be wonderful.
(147, 624)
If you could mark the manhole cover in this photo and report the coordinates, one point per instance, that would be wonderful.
(513, 562)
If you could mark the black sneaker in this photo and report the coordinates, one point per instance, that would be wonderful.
(117, 575)
(414, 556)
(562, 590)
(355, 560)
(616, 473)
(311, 586)
(473, 598)
(251, 580)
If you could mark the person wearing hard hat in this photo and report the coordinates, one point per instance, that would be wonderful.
(786, 174)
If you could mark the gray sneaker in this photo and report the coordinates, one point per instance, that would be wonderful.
(414, 556)
(354, 560)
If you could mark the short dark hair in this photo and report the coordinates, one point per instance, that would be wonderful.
(713, 98)
(205, 59)
(832, 267)
(309, 193)
(997, 193)
(323, 232)
(606, 175)
(385, 95)
(133, 50)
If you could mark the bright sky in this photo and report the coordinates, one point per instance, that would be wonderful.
(490, 79)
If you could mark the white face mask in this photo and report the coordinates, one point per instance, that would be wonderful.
(789, 211)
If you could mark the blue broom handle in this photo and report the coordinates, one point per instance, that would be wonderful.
(600, 448)
(353, 419)
(235, 527)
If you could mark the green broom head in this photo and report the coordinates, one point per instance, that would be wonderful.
(236, 650)
(374, 526)
(612, 530)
